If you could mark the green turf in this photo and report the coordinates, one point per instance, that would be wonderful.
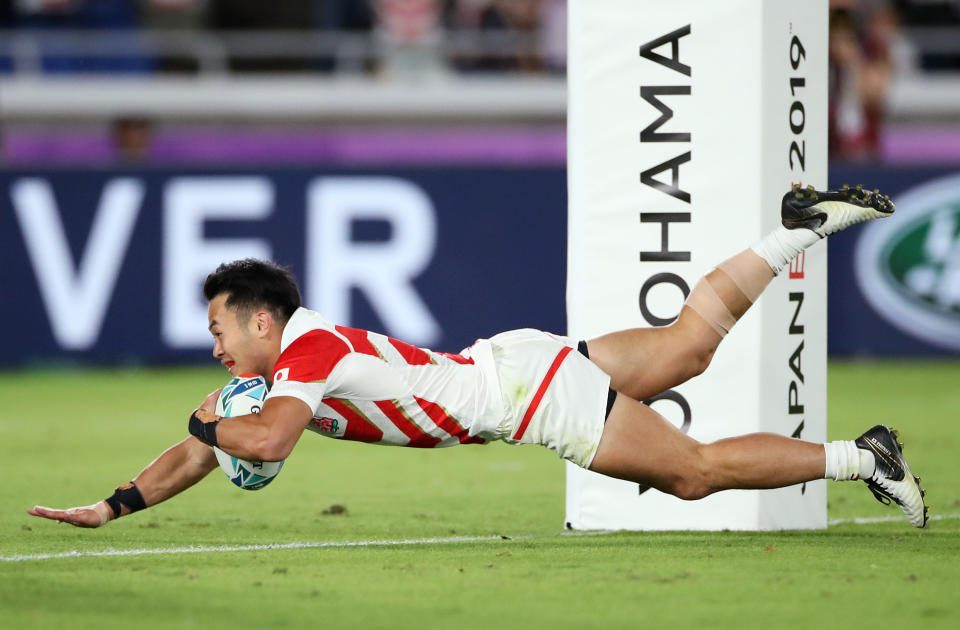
(69, 437)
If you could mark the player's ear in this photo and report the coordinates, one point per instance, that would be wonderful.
(265, 322)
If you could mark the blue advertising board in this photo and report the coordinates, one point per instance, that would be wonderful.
(894, 284)
(107, 265)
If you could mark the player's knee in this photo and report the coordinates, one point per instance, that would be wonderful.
(694, 482)
(690, 488)
(702, 357)
(697, 343)
(697, 359)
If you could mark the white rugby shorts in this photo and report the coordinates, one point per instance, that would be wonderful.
(552, 394)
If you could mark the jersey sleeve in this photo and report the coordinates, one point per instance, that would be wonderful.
(304, 367)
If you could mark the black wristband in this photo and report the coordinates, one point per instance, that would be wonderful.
(129, 495)
(206, 432)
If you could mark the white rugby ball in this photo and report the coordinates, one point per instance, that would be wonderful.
(242, 395)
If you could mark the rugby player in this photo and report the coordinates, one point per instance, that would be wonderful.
(578, 398)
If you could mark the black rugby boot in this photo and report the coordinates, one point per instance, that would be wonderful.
(827, 211)
(892, 479)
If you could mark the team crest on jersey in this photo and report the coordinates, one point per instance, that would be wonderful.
(333, 427)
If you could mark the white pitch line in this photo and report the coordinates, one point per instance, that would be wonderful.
(863, 520)
(107, 553)
(294, 545)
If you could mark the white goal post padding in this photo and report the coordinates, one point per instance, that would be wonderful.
(687, 121)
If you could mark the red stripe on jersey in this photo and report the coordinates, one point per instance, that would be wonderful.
(459, 358)
(541, 391)
(312, 356)
(418, 437)
(411, 354)
(447, 422)
(359, 428)
(361, 343)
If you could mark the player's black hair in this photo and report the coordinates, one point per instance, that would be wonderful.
(252, 284)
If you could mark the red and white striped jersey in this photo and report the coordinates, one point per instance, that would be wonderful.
(368, 387)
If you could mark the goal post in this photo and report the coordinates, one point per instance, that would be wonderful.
(687, 121)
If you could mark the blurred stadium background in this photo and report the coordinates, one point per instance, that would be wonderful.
(132, 111)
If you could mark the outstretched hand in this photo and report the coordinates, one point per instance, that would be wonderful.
(85, 516)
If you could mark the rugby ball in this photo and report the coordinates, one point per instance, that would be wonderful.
(242, 395)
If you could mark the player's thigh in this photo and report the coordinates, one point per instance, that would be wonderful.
(643, 362)
(638, 444)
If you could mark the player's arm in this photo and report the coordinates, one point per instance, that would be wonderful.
(312, 366)
(268, 436)
(175, 470)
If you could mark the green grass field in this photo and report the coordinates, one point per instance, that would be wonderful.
(69, 437)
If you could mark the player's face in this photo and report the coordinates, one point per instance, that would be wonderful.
(236, 344)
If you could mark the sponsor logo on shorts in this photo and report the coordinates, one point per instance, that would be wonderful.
(908, 266)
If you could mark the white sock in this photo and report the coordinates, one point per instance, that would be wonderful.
(781, 246)
(868, 463)
(844, 461)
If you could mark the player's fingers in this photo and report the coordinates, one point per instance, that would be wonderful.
(79, 517)
(45, 512)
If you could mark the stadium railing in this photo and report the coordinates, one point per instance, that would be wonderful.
(339, 74)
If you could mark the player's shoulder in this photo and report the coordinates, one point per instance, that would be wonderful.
(310, 347)
(305, 323)
(315, 341)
